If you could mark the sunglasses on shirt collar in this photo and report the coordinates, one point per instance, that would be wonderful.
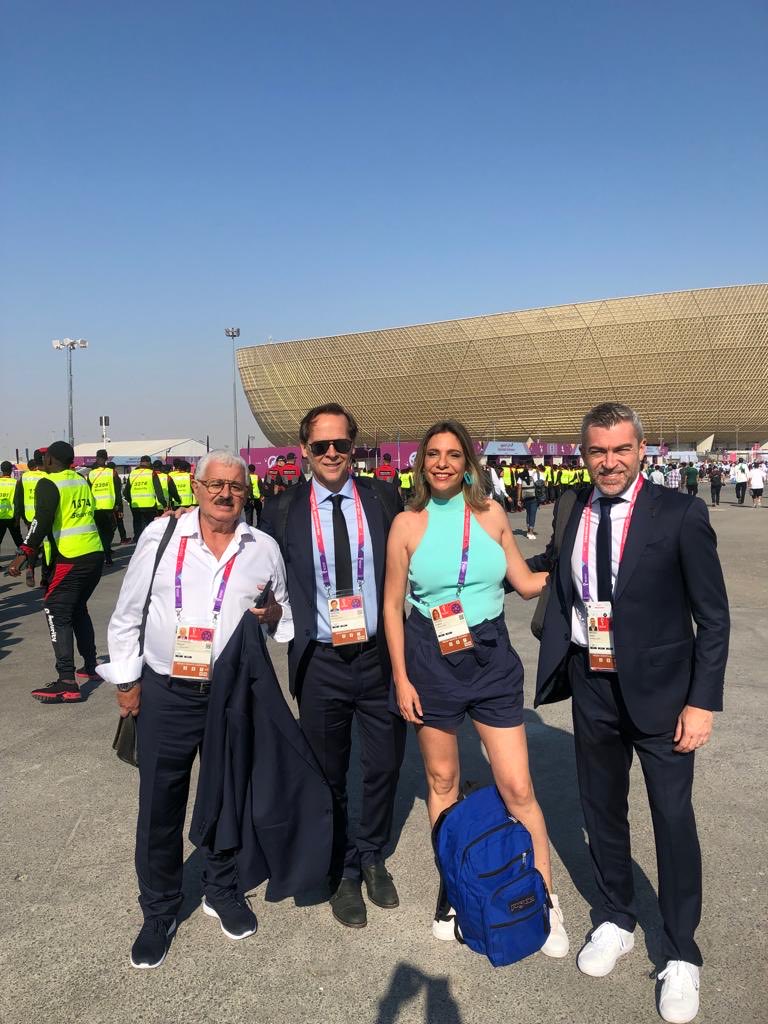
(343, 446)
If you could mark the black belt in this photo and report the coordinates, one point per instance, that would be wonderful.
(195, 685)
(348, 651)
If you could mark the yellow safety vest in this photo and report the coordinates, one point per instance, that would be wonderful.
(506, 476)
(102, 483)
(29, 484)
(142, 488)
(406, 480)
(7, 494)
(163, 478)
(74, 529)
(255, 486)
(183, 481)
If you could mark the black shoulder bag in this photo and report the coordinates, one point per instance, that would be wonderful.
(124, 743)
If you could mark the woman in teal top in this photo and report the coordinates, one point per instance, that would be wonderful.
(453, 549)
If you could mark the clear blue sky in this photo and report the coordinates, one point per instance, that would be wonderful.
(308, 168)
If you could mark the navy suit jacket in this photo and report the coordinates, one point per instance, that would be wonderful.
(669, 577)
(260, 790)
(287, 518)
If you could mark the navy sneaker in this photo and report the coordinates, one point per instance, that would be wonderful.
(153, 942)
(234, 912)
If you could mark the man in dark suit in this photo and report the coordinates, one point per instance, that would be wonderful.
(333, 536)
(649, 563)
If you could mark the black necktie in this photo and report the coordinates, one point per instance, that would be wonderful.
(604, 551)
(342, 555)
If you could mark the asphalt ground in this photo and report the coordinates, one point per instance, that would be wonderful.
(69, 913)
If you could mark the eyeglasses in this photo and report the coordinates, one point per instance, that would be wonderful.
(343, 446)
(215, 487)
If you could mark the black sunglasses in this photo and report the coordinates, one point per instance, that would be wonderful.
(343, 446)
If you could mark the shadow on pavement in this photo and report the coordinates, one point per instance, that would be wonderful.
(406, 983)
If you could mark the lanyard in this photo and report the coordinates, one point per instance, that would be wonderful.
(222, 586)
(587, 530)
(321, 543)
(464, 551)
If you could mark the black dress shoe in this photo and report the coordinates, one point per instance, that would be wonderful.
(348, 905)
(379, 886)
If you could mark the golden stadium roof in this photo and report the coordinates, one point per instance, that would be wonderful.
(691, 363)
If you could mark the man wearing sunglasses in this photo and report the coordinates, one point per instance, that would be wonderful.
(333, 537)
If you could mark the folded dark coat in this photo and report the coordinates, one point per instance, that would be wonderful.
(260, 790)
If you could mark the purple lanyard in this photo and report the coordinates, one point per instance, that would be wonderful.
(464, 551)
(222, 586)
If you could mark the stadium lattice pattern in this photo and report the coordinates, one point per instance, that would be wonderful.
(692, 363)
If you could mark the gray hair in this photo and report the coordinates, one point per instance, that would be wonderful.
(609, 414)
(226, 458)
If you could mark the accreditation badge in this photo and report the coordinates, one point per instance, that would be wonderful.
(602, 656)
(192, 652)
(451, 627)
(346, 613)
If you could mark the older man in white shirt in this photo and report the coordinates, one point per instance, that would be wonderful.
(213, 570)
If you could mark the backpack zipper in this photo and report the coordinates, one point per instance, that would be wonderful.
(521, 856)
(519, 920)
(490, 832)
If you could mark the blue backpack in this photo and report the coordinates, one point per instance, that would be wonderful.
(485, 858)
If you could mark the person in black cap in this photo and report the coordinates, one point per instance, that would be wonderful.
(9, 502)
(64, 515)
(107, 497)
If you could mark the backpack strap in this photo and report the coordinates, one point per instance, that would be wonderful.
(164, 540)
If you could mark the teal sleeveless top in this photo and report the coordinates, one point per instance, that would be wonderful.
(435, 564)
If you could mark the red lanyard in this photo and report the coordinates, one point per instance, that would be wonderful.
(222, 587)
(321, 543)
(587, 530)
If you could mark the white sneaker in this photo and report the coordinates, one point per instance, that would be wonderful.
(679, 999)
(557, 944)
(443, 928)
(531, 535)
(606, 944)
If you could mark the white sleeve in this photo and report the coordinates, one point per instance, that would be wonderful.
(125, 662)
(284, 631)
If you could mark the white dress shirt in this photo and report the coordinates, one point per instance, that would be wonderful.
(258, 560)
(619, 513)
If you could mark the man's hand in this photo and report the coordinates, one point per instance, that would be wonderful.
(694, 727)
(14, 569)
(129, 701)
(270, 614)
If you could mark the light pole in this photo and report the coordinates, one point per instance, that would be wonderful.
(234, 332)
(69, 344)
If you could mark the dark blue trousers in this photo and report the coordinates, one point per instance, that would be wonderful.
(170, 729)
(605, 739)
(337, 686)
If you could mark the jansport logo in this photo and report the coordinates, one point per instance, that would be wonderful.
(521, 904)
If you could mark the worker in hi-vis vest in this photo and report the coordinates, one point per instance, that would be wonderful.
(144, 494)
(64, 515)
(107, 499)
(254, 504)
(181, 475)
(29, 479)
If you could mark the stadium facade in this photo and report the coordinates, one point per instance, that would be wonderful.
(693, 363)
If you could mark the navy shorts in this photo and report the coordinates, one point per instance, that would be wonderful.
(485, 682)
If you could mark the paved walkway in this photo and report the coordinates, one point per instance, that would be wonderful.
(69, 912)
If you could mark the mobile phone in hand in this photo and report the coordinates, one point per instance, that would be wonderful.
(263, 597)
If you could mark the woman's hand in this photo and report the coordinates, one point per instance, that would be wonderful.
(408, 702)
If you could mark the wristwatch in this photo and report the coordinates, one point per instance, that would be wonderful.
(125, 687)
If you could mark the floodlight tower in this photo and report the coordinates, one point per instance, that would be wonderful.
(234, 332)
(69, 344)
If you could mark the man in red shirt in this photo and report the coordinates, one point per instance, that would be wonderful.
(386, 471)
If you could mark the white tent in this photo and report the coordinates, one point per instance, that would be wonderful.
(127, 453)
